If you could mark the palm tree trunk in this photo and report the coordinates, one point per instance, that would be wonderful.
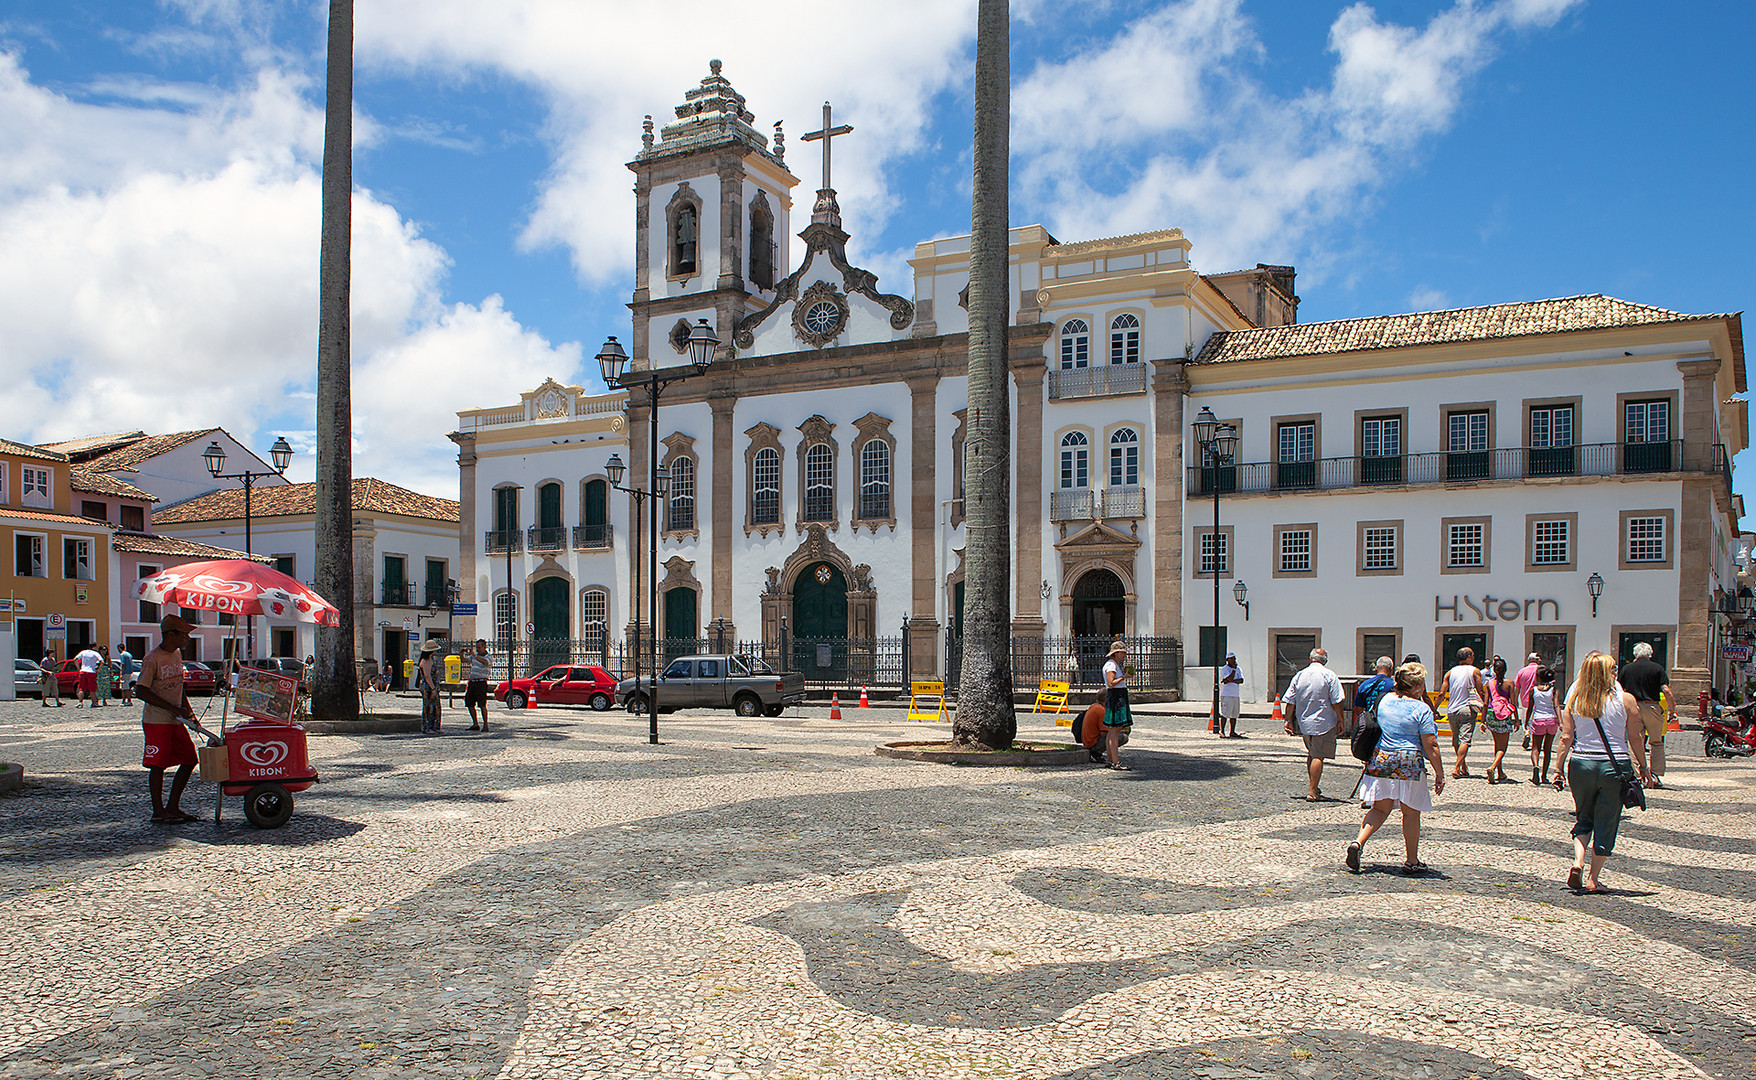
(985, 716)
(336, 691)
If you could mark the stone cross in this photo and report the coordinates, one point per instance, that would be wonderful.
(829, 132)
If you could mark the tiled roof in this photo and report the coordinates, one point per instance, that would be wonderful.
(373, 496)
(139, 450)
(18, 449)
(1593, 312)
(93, 482)
(1104, 243)
(92, 445)
(134, 543)
(21, 513)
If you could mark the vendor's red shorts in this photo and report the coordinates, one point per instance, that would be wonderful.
(167, 746)
(88, 682)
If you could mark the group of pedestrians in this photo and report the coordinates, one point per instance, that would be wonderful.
(97, 679)
(430, 679)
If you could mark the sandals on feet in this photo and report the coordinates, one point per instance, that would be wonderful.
(1352, 858)
(1412, 868)
(1573, 876)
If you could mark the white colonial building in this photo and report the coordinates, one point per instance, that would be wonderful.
(817, 465)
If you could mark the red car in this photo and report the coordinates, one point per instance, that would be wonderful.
(67, 677)
(198, 678)
(563, 684)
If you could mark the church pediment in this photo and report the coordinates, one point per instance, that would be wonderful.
(551, 400)
(1098, 538)
(826, 301)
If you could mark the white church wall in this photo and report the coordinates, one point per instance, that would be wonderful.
(659, 349)
(707, 189)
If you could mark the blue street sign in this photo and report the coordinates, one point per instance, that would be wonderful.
(414, 635)
(463, 609)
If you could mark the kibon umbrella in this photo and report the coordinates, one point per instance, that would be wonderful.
(237, 587)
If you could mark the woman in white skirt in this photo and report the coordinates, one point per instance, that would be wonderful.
(1396, 775)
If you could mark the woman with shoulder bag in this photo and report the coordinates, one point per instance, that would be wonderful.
(1396, 775)
(1600, 728)
(1501, 719)
(1542, 718)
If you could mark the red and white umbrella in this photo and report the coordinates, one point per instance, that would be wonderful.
(237, 587)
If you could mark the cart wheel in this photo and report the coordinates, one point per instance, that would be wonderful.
(515, 700)
(268, 806)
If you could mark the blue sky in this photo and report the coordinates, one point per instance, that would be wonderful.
(158, 168)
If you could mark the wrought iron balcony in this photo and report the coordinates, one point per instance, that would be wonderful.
(1104, 380)
(593, 537)
(546, 538)
(1508, 463)
(502, 541)
(1072, 504)
(1125, 502)
(399, 594)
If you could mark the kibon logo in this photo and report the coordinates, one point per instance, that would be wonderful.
(264, 753)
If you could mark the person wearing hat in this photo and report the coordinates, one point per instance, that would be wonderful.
(1117, 718)
(475, 693)
(166, 717)
(427, 682)
(1230, 704)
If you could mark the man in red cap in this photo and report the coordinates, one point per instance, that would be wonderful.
(166, 718)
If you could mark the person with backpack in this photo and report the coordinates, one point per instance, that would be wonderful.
(1408, 741)
(1366, 694)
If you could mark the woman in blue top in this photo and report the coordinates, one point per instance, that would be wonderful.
(1396, 774)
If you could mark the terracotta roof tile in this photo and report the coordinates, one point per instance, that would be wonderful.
(49, 515)
(138, 450)
(171, 547)
(93, 482)
(18, 449)
(374, 496)
(92, 445)
(1569, 313)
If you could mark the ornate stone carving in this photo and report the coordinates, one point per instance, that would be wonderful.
(773, 586)
(830, 242)
(551, 403)
(862, 578)
(821, 314)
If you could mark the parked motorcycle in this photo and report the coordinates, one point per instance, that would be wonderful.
(1730, 732)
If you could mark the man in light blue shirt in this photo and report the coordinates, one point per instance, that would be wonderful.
(130, 670)
(1312, 700)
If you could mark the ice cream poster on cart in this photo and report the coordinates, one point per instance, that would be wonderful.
(266, 695)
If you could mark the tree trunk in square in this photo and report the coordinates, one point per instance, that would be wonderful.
(985, 715)
(336, 691)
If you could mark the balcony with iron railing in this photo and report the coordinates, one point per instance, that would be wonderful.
(593, 537)
(398, 594)
(546, 538)
(502, 541)
(1125, 502)
(1442, 467)
(1110, 380)
(1088, 504)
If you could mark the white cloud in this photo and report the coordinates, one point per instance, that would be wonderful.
(601, 67)
(1251, 176)
(158, 270)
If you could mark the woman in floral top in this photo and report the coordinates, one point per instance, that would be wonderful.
(1396, 775)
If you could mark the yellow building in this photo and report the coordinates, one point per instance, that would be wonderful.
(56, 578)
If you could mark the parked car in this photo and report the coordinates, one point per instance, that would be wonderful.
(562, 684)
(26, 676)
(745, 684)
(67, 675)
(198, 678)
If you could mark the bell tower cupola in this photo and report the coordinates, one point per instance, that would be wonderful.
(714, 204)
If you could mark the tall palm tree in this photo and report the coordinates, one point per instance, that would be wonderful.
(336, 688)
(985, 716)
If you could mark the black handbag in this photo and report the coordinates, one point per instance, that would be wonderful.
(1633, 791)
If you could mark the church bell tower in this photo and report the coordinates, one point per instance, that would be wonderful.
(714, 207)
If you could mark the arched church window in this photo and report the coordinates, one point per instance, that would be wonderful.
(682, 506)
(875, 480)
(1075, 460)
(761, 242)
(819, 483)
(1124, 458)
(765, 481)
(1125, 339)
(1075, 344)
(594, 618)
(687, 235)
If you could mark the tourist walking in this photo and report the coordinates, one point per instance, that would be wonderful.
(1396, 776)
(1521, 684)
(1117, 717)
(49, 682)
(1371, 691)
(1542, 718)
(130, 667)
(475, 691)
(1600, 729)
(87, 690)
(1465, 693)
(1645, 678)
(1311, 702)
(427, 683)
(106, 676)
(1231, 679)
(1500, 718)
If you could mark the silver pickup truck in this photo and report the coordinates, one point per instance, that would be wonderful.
(745, 684)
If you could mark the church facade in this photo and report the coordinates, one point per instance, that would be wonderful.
(816, 467)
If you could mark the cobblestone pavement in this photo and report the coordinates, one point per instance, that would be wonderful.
(768, 898)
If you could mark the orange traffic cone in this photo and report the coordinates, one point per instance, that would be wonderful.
(1674, 725)
(1212, 719)
(864, 703)
(835, 706)
(1278, 718)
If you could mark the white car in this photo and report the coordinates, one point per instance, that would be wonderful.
(26, 678)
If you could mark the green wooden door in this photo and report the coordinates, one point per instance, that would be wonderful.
(820, 621)
(680, 622)
(548, 604)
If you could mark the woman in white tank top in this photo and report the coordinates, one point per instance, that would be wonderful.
(1598, 710)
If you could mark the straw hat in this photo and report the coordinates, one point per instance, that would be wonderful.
(1117, 647)
(432, 645)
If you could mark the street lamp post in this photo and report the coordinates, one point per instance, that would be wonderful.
(1218, 442)
(661, 485)
(215, 457)
(613, 364)
(510, 530)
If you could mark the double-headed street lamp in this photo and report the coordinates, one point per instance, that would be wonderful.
(613, 363)
(215, 457)
(1218, 442)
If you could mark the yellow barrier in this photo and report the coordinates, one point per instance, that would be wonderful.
(919, 694)
(1052, 695)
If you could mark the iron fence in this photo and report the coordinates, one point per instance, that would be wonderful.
(1157, 661)
(848, 663)
(1441, 467)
